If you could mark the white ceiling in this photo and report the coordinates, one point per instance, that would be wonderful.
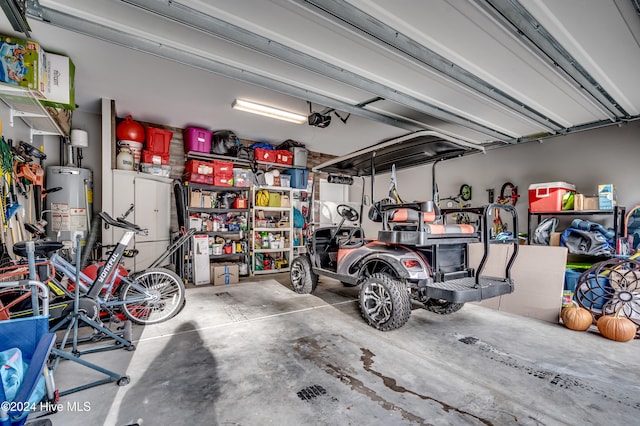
(481, 70)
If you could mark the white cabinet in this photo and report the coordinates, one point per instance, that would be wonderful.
(272, 231)
(151, 197)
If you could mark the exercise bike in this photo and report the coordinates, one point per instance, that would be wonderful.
(147, 297)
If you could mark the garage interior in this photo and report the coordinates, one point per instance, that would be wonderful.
(545, 90)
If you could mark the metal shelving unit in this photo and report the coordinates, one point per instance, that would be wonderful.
(234, 236)
(618, 214)
(278, 258)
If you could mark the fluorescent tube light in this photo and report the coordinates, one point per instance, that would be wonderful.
(268, 111)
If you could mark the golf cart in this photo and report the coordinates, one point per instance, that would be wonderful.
(417, 254)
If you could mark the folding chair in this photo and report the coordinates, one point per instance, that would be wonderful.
(30, 335)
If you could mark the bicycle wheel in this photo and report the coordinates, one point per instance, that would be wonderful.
(165, 298)
(508, 194)
(465, 192)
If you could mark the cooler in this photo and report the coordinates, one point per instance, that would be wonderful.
(547, 197)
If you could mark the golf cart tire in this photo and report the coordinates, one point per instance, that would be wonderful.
(385, 303)
(303, 279)
(442, 307)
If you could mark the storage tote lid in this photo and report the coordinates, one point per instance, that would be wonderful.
(562, 185)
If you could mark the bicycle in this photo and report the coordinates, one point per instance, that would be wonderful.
(509, 196)
(147, 297)
(458, 202)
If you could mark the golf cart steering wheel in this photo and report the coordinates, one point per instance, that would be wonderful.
(347, 212)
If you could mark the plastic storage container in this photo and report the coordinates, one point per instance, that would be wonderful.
(223, 168)
(268, 155)
(547, 197)
(285, 181)
(299, 157)
(299, 178)
(196, 139)
(158, 140)
(199, 167)
(242, 177)
(284, 157)
(198, 178)
(156, 170)
(157, 158)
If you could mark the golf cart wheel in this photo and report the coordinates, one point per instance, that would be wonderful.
(384, 302)
(442, 307)
(303, 279)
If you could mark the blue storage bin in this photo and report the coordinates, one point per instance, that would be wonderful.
(299, 178)
(571, 277)
(594, 293)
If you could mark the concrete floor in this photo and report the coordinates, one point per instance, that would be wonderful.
(257, 353)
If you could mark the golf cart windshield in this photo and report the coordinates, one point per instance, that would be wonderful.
(406, 151)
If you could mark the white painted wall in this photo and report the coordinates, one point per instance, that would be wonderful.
(81, 120)
(585, 159)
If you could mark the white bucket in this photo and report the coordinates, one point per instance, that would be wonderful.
(135, 148)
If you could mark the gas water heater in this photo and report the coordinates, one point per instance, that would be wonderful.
(69, 210)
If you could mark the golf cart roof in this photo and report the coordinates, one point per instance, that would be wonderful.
(406, 151)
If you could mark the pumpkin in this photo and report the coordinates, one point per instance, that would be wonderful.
(615, 327)
(576, 318)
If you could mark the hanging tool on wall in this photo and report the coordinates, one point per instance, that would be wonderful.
(6, 169)
(27, 172)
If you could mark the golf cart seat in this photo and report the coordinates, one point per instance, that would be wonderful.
(401, 224)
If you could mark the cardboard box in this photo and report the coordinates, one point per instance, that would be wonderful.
(195, 223)
(207, 199)
(22, 63)
(60, 82)
(195, 200)
(538, 290)
(224, 273)
(585, 202)
(606, 196)
(554, 240)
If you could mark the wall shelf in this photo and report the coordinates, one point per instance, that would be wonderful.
(24, 104)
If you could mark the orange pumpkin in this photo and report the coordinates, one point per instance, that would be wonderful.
(576, 318)
(615, 327)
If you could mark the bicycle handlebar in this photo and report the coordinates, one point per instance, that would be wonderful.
(121, 223)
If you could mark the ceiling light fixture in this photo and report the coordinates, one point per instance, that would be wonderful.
(268, 111)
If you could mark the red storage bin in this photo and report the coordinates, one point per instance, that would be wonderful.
(155, 158)
(198, 178)
(223, 168)
(284, 157)
(268, 155)
(547, 197)
(223, 180)
(196, 139)
(158, 140)
(199, 167)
